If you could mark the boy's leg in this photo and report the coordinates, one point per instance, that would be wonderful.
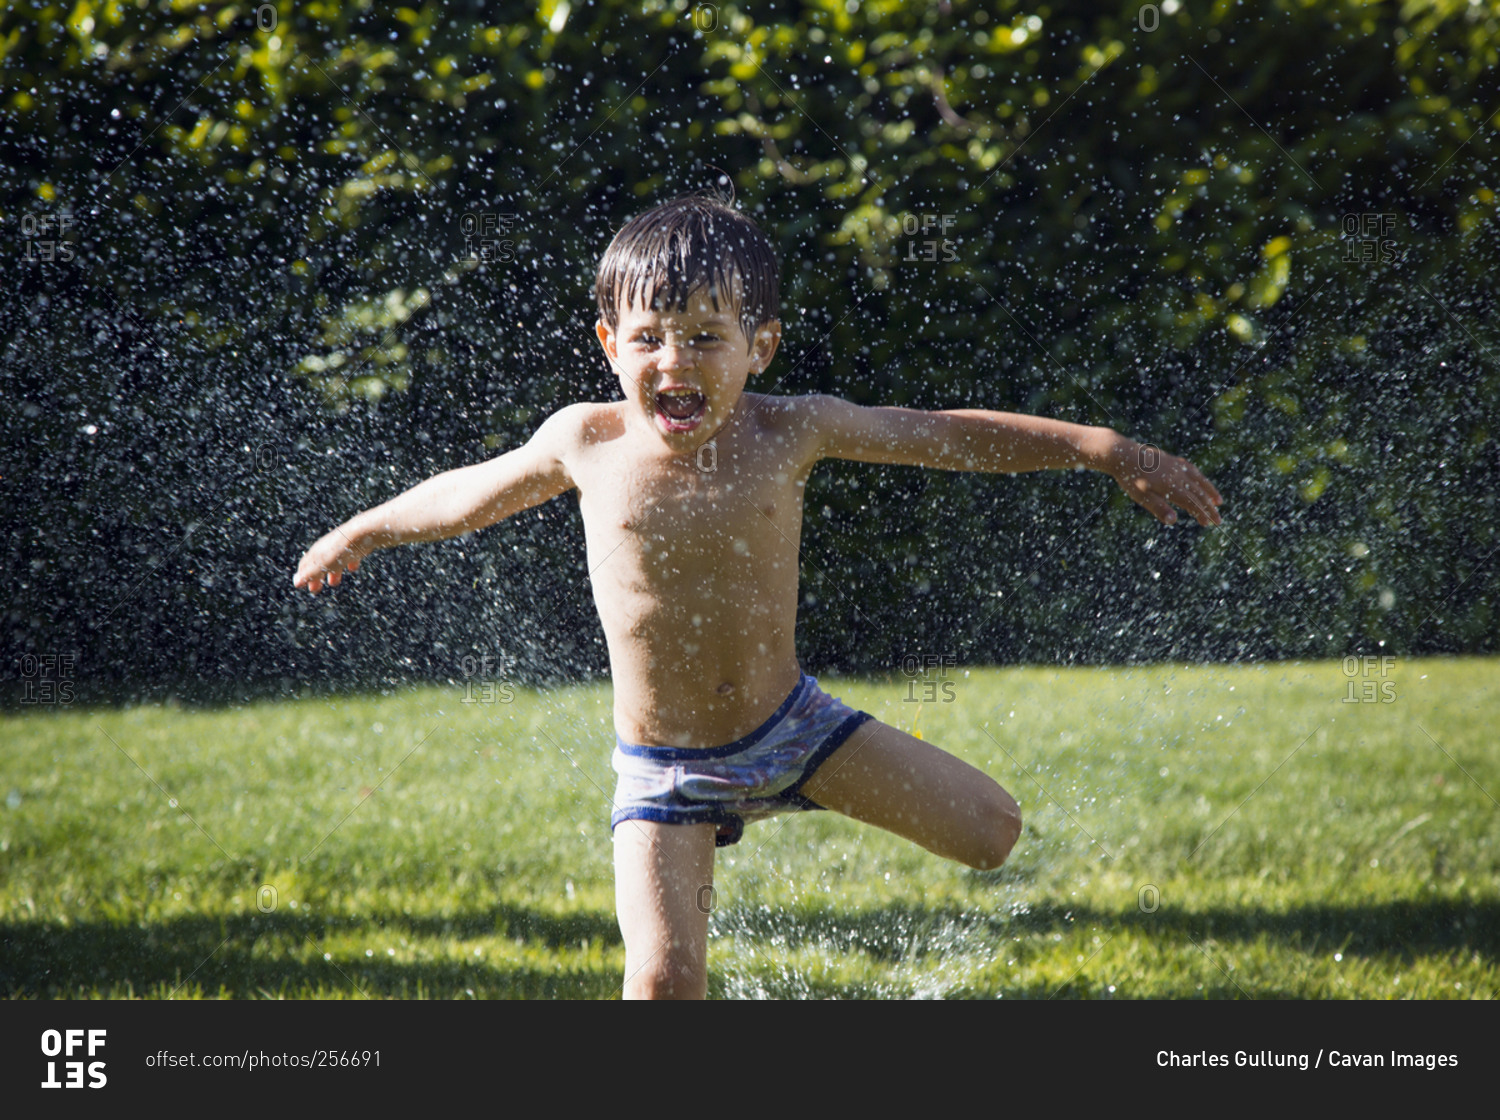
(664, 876)
(888, 778)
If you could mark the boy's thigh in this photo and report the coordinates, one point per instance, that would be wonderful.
(664, 876)
(893, 780)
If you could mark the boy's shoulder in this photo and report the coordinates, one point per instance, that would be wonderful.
(813, 417)
(779, 410)
(584, 423)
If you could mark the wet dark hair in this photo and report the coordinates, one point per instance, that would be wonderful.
(661, 257)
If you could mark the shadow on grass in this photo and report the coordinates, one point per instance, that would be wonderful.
(891, 933)
(259, 956)
(813, 988)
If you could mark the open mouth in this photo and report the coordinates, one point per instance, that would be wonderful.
(680, 410)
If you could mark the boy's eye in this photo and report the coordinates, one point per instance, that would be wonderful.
(707, 338)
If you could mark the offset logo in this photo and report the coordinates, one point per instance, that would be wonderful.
(67, 1044)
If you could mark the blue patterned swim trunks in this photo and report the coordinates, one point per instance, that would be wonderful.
(752, 778)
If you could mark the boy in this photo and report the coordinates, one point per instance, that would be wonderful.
(691, 494)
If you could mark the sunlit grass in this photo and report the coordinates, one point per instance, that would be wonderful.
(1191, 832)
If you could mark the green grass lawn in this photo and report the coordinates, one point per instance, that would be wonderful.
(1191, 832)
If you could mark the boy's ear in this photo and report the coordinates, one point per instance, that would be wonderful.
(763, 349)
(606, 338)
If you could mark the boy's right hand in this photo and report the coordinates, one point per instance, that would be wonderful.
(1158, 481)
(328, 560)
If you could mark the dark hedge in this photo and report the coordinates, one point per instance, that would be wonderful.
(270, 264)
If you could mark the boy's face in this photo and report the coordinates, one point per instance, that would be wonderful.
(686, 369)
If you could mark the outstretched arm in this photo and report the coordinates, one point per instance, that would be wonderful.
(446, 505)
(980, 440)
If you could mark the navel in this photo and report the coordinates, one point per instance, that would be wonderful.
(726, 688)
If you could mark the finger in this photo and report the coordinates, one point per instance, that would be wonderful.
(1203, 512)
(1190, 502)
(1208, 501)
(1157, 508)
(1207, 487)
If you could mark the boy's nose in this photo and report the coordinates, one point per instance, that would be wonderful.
(676, 357)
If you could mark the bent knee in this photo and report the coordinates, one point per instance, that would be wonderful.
(999, 831)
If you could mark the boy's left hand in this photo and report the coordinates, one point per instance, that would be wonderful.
(326, 561)
(1159, 481)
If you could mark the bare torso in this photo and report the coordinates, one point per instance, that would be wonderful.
(694, 564)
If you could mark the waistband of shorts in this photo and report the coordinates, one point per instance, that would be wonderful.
(678, 754)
